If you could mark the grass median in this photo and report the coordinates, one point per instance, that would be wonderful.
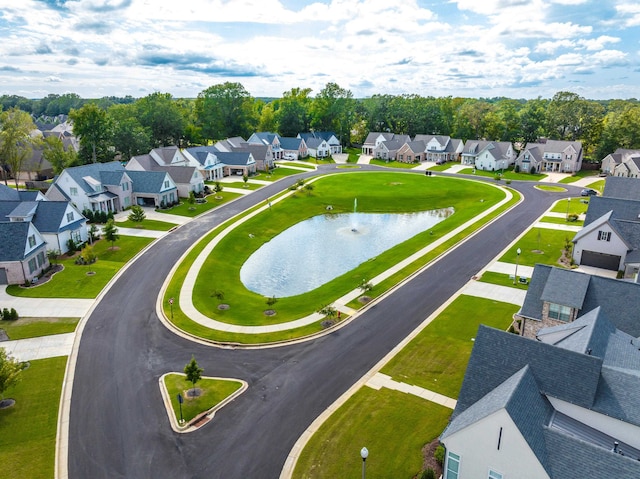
(24, 328)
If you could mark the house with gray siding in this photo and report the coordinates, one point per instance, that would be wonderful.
(23, 256)
(552, 156)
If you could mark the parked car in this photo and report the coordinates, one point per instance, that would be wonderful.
(588, 192)
(440, 161)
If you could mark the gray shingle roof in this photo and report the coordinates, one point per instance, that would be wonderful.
(563, 287)
(615, 297)
(560, 373)
(288, 143)
(51, 214)
(147, 181)
(13, 238)
(92, 170)
(234, 158)
(8, 194)
(622, 187)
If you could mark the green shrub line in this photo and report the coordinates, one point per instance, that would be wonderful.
(182, 322)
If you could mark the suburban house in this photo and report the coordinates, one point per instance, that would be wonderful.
(610, 237)
(335, 147)
(622, 162)
(488, 155)
(270, 139)
(170, 156)
(318, 147)
(551, 155)
(23, 256)
(293, 148)
(411, 152)
(558, 296)
(110, 187)
(388, 150)
(563, 405)
(372, 141)
(187, 178)
(237, 163)
(210, 166)
(441, 147)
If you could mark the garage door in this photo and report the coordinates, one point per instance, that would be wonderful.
(3, 276)
(600, 260)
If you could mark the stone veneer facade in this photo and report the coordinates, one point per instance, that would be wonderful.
(529, 327)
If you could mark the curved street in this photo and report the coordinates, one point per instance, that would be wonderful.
(118, 427)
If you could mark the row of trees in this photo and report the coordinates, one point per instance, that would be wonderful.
(125, 127)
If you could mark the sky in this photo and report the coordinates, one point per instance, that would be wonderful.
(466, 48)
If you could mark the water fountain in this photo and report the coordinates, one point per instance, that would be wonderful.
(354, 225)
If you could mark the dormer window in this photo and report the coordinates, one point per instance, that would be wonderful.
(32, 241)
(559, 312)
(604, 235)
(70, 216)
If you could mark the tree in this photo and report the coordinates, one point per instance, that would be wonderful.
(293, 113)
(137, 214)
(245, 178)
(130, 137)
(59, 156)
(110, 232)
(160, 114)
(332, 109)
(365, 286)
(193, 372)
(225, 110)
(10, 370)
(16, 142)
(93, 127)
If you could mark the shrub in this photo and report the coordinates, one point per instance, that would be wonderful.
(6, 314)
(137, 214)
(428, 473)
(9, 314)
(89, 215)
(508, 182)
(13, 314)
(572, 217)
(438, 454)
(516, 169)
(71, 246)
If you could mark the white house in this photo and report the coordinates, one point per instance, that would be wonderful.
(23, 254)
(488, 155)
(441, 147)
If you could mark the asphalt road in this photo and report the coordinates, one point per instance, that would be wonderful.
(118, 423)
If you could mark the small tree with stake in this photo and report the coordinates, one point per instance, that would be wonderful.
(111, 232)
(193, 373)
(10, 370)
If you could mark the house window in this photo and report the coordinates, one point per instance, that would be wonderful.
(32, 265)
(40, 259)
(604, 235)
(401, 157)
(32, 241)
(70, 216)
(166, 184)
(453, 466)
(559, 312)
(125, 186)
(73, 191)
(494, 475)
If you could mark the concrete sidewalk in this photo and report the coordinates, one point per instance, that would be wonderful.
(152, 214)
(140, 233)
(45, 307)
(380, 380)
(40, 348)
(504, 294)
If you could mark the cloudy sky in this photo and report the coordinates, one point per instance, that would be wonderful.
(469, 48)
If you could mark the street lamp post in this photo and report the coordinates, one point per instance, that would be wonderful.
(515, 276)
(568, 204)
(171, 307)
(364, 453)
(180, 401)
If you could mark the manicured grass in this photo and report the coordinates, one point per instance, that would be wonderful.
(146, 224)
(393, 164)
(242, 185)
(185, 209)
(502, 280)
(376, 192)
(214, 391)
(297, 164)
(577, 206)
(597, 185)
(443, 167)
(437, 358)
(354, 154)
(578, 176)
(35, 327)
(555, 189)
(392, 425)
(278, 173)
(506, 175)
(28, 429)
(75, 282)
(348, 166)
(561, 221)
(539, 245)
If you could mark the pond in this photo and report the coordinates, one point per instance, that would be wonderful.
(319, 249)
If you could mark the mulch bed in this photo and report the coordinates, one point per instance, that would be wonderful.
(429, 461)
(269, 312)
(55, 268)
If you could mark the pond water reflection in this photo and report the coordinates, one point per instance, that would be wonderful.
(319, 249)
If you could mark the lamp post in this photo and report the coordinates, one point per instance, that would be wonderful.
(171, 307)
(180, 401)
(364, 453)
(568, 204)
(515, 276)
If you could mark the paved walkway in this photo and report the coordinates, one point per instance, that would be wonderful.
(45, 307)
(40, 348)
(141, 233)
(504, 294)
(510, 268)
(241, 191)
(152, 214)
(380, 380)
(364, 159)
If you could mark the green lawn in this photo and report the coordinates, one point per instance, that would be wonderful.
(214, 391)
(502, 279)
(506, 175)
(443, 167)
(552, 188)
(437, 358)
(278, 173)
(306, 165)
(35, 327)
(392, 425)
(75, 281)
(213, 201)
(392, 164)
(354, 154)
(576, 206)
(561, 221)
(597, 185)
(28, 429)
(539, 245)
(374, 192)
(242, 185)
(578, 176)
(146, 224)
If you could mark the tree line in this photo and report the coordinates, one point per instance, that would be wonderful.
(113, 127)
